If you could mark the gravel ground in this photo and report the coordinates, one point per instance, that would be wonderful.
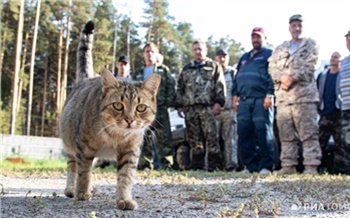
(181, 194)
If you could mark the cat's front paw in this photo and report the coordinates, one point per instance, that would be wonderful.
(83, 196)
(69, 192)
(127, 204)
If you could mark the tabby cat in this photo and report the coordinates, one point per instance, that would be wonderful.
(104, 118)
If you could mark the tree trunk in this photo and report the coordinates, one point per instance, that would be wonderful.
(149, 33)
(59, 79)
(16, 69)
(3, 42)
(128, 39)
(21, 72)
(59, 68)
(65, 64)
(43, 110)
(31, 72)
(114, 47)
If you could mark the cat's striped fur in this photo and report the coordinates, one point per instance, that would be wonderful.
(105, 117)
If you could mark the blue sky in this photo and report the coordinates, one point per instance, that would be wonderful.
(327, 21)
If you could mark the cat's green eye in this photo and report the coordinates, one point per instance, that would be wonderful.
(118, 106)
(141, 107)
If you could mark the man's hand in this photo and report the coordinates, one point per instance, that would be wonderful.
(284, 87)
(216, 109)
(180, 112)
(235, 103)
(286, 82)
(268, 102)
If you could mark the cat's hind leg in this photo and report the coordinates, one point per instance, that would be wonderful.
(71, 176)
(126, 170)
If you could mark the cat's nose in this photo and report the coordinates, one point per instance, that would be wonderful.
(129, 121)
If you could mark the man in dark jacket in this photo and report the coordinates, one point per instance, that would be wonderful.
(329, 123)
(253, 94)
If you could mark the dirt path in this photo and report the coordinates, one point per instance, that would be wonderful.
(181, 195)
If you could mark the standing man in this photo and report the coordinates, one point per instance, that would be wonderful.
(329, 123)
(226, 120)
(165, 99)
(292, 66)
(123, 67)
(200, 96)
(344, 86)
(254, 93)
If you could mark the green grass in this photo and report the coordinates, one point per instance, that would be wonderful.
(32, 164)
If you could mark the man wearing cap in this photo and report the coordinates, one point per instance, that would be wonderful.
(123, 67)
(253, 99)
(201, 92)
(292, 66)
(344, 86)
(226, 120)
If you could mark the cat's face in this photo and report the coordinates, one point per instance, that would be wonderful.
(128, 106)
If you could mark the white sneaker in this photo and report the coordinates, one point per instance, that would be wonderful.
(265, 171)
(244, 171)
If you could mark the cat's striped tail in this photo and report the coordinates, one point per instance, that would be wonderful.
(84, 52)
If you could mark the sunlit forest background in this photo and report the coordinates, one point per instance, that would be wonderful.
(38, 42)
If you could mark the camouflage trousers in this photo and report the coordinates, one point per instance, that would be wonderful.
(157, 150)
(329, 125)
(226, 135)
(202, 137)
(164, 144)
(298, 122)
(344, 153)
(148, 157)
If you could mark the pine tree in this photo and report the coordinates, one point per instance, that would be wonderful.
(16, 68)
(32, 61)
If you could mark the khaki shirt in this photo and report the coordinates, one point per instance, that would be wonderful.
(301, 66)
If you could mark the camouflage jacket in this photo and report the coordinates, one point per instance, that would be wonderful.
(166, 90)
(301, 66)
(201, 85)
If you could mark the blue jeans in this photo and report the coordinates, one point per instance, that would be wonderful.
(255, 134)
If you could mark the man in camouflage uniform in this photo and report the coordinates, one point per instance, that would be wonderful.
(165, 99)
(226, 120)
(292, 67)
(200, 95)
(328, 109)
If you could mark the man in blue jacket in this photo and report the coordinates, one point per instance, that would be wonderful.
(253, 100)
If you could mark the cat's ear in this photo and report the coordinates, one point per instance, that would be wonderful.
(108, 81)
(151, 83)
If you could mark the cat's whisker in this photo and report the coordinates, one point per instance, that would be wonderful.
(145, 132)
(111, 131)
(155, 120)
(152, 128)
(104, 128)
